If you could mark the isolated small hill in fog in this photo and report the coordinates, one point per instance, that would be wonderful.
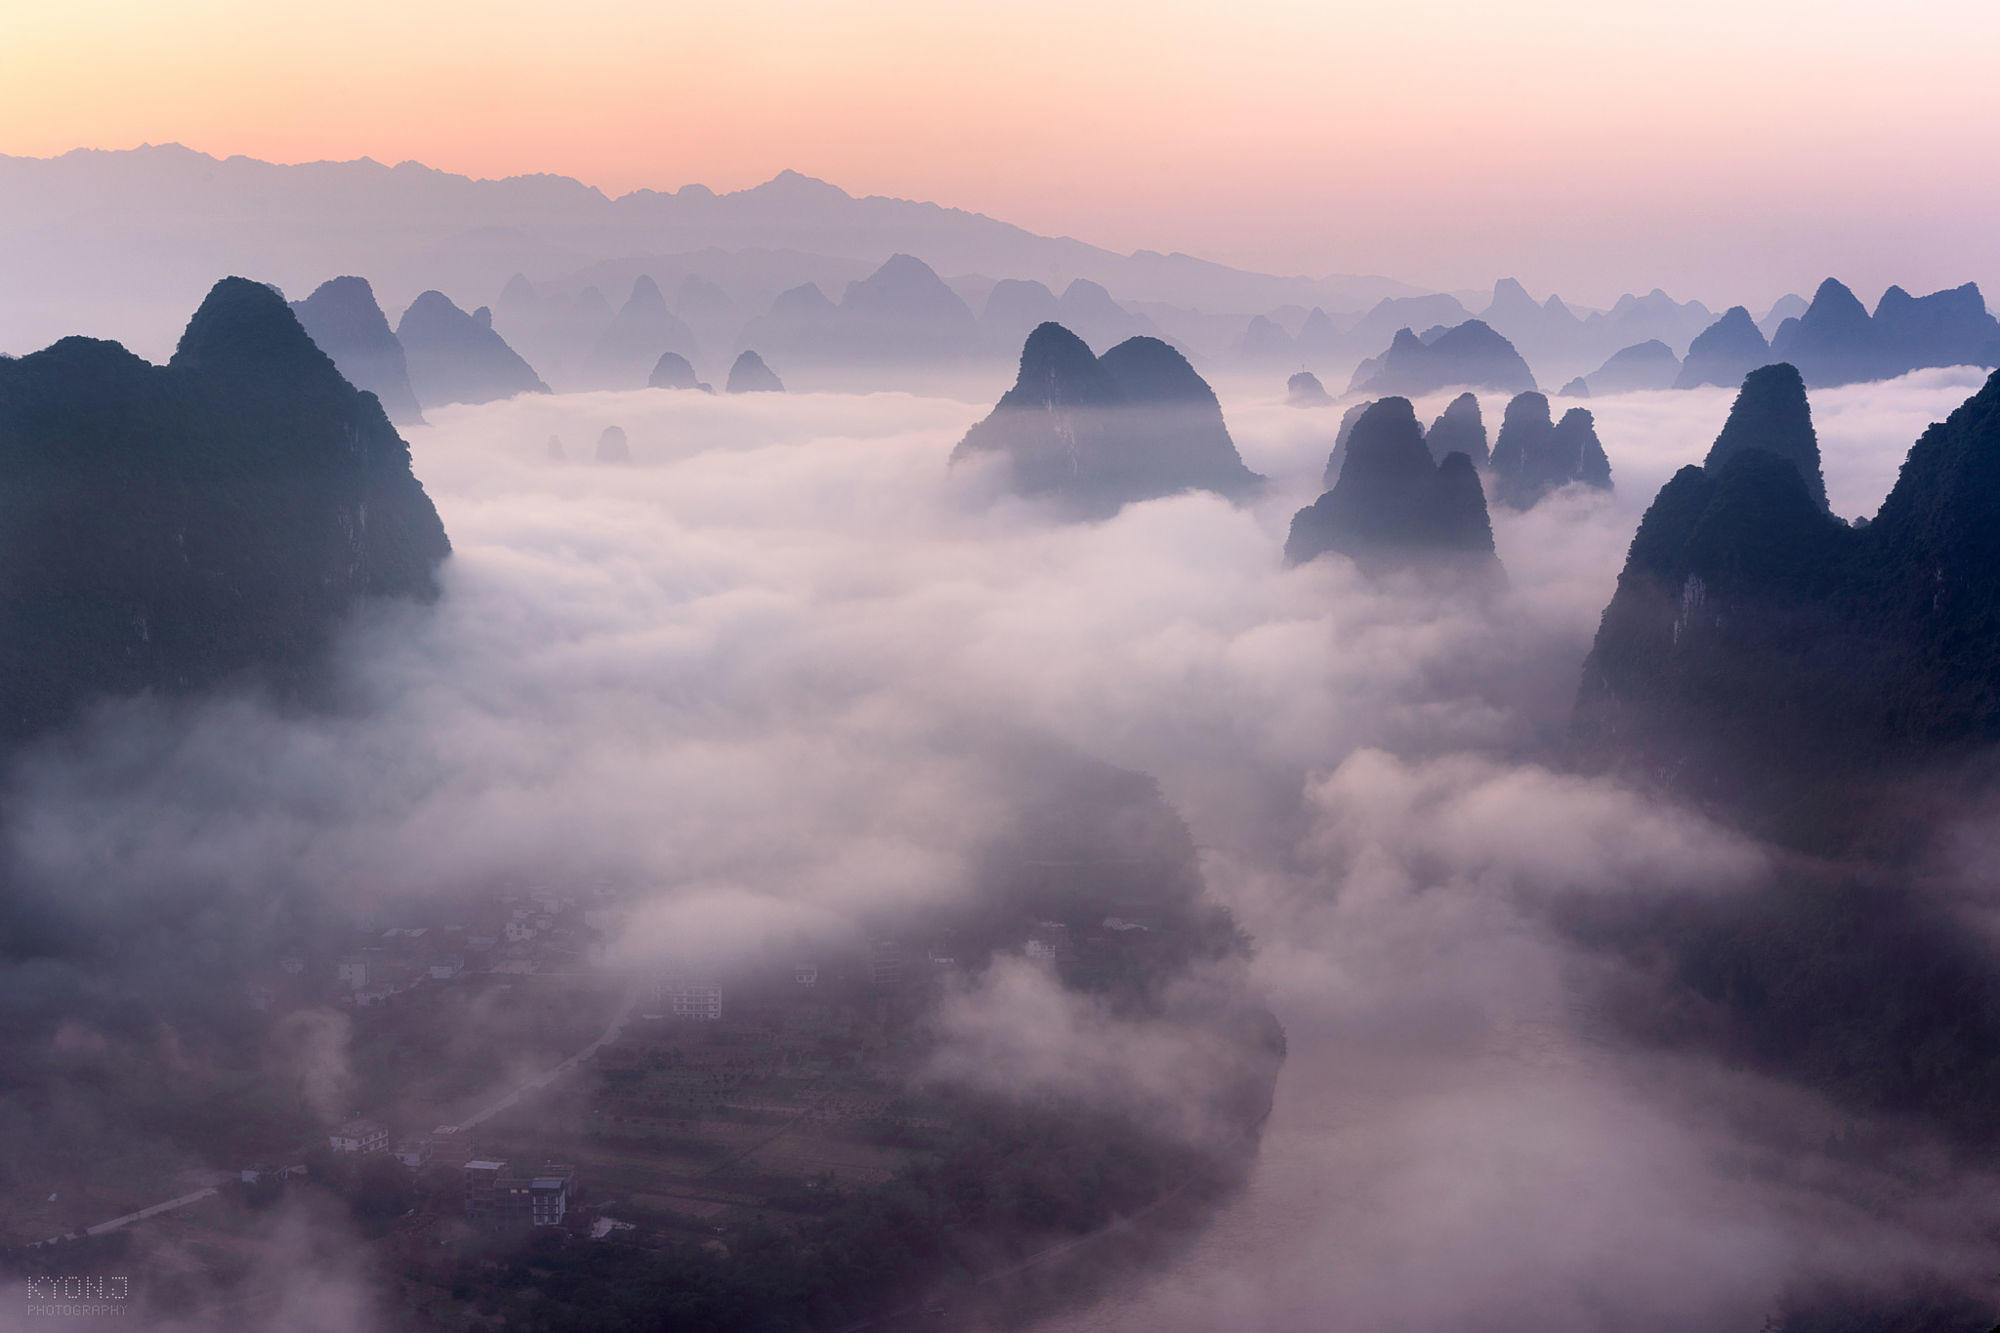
(1767, 653)
(751, 375)
(672, 371)
(1459, 429)
(170, 527)
(613, 447)
(1305, 390)
(342, 318)
(1724, 352)
(1534, 456)
(1646, 365)
(1394, 506)
(1095, 432)
(458, 358)
(1469, 354)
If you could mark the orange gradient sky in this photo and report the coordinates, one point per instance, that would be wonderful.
(1733, 149)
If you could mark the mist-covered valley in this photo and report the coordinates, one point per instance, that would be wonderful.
(785, 682)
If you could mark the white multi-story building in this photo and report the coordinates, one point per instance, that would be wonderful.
(682, 994)
(359, 1136)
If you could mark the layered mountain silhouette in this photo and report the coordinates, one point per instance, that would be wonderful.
(342, 318)
(1555, 338)
(167, 528)
(408, 227)
(901, 315)
(1087, 309)
(1836, 341)
(640, 333)
(904, 311)
(1789, 306)
(554, 331)
(751, 375)
(458, 358)
(1655, 316)
(1266, 340)
(1534, 456)
(1393, 313)
(1394, 507)
(1094, 433)
(1546, 333)
(1761, 651)
(1724, 352)
(1014, 309)
(1470, 354)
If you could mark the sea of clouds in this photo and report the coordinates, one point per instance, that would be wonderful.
(765, 671)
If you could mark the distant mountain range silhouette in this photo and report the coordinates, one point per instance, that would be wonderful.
(1469, 354)
(342, 318)
(1836, 341)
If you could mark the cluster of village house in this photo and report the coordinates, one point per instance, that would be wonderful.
(492, 1193)
(538, 930)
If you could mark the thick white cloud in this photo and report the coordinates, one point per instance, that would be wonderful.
(758, 675)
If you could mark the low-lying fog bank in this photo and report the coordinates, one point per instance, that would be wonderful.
(760, 670)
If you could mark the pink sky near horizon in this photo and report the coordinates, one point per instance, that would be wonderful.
(1730, 151)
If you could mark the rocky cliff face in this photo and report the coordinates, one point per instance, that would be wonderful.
(344, 322)
(166, 528)
(1760, 650)
(1393, 507)
(1095, 433)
